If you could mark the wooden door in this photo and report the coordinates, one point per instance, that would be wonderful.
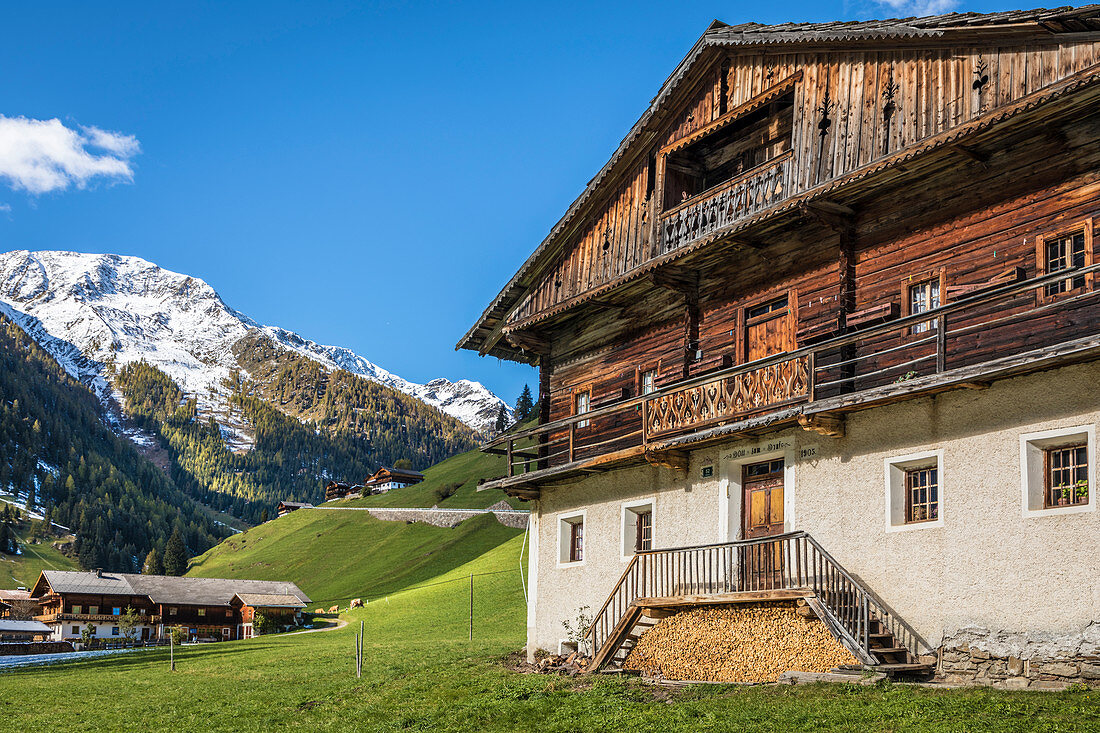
(762, 516)
(769, 329)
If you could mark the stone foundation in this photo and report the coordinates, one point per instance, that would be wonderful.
(1019, 661)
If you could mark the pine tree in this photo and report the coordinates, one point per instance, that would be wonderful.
(264, 516)
(153, 563)
(502, 419)
(175, 554)
(524, 404)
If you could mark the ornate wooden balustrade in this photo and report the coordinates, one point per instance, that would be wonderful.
(85, 617)
(690, 408)
(789, 562)
(995, 332)
(724, 205)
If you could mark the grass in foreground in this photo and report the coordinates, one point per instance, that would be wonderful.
(421, 673)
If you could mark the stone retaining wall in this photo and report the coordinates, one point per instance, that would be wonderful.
(20, 648)
(449, 517)
(1000, 659)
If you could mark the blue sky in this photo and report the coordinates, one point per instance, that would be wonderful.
(367, 175)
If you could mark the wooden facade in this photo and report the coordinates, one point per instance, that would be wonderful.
(762, 247)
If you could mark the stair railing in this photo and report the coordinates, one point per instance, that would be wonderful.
(791, 561)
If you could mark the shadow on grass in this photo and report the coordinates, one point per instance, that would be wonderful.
(145, 657)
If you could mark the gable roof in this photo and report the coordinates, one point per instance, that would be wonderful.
(166, 588)
(270, 600)
(1058, 20)
(396, 473)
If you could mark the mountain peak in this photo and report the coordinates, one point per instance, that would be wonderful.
(90, 310)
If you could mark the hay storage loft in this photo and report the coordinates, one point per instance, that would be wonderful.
(822, 335)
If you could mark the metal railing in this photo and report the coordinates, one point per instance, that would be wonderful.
(793, 561)
(891, 352)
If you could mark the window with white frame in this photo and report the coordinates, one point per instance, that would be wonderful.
(637, 529)
(571, 539)
(914, 491)
(1057, 470)
(582, 403)
(649, 381)
(923, 297)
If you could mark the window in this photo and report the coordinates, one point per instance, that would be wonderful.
(914, 491)
(649, 381)
(173, 611)
(637, 527)
(76, 631)
(581, 404)
(922, 501)
(571, 539)
(1057, 471)
(202, 611)
(114, 631)
(226, 633)
(93, 610)
(76, 608)
(1066, 475)
(728, 148)
(229, 613)
(923, 297)
(116, 611)
(1064, 251)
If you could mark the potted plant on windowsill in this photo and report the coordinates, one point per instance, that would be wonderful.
(1081, 492)
(1062, 495)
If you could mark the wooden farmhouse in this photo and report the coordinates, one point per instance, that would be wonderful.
(826, 327)
(386, 479)
(286, 507)
(205, 608)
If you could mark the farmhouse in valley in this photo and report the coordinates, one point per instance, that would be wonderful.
(826, 329)
(207, 608)
(286, 507)
(386, 479)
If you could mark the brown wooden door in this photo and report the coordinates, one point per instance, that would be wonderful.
(769, 330)
(762, 516)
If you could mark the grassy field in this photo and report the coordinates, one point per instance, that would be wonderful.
(338, 555)
(422, 673)
(17, 570)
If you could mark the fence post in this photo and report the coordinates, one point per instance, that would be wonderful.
(471, 606)
(171, 652)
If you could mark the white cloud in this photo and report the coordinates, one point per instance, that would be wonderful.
(40, 156)
(907, 8)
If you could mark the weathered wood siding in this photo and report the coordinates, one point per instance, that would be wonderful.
(877, 102)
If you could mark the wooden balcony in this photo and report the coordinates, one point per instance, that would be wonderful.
(715, 209)
(989, 333)
(87, 617)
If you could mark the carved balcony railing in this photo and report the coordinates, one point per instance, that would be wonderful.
(725, 204)
(85, 617)
(725, 398)
(994, 332)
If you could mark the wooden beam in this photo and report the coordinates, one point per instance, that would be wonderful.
(531, 341)
(674, 459)
(975, 385)
(974, 154)
(830, 425)
(835, 216)
(677, 279)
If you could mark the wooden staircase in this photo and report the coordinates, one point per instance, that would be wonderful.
(659, 583)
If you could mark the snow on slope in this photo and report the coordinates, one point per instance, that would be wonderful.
(88, 310)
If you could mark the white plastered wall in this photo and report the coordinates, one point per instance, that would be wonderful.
(990, 565)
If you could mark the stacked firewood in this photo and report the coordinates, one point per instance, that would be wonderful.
(737, 643)
(572, 664)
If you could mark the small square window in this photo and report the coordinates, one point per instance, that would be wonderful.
(1066, 476)
(914, 491)
(923, 297)
(76, 608)
(202, 611)
(1063, 253)
(582, 402)
(114, 631)
(173, 611)
(93, 610)
(922, 501)
(116, 611)
(1056, 471)
(76, 631)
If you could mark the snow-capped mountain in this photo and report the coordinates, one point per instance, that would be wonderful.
(89, 310)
